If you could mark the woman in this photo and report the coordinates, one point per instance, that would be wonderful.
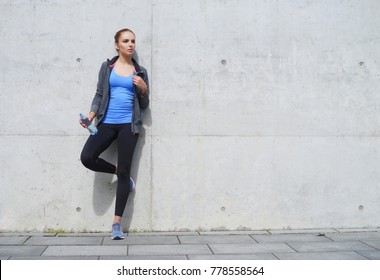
(122, 90)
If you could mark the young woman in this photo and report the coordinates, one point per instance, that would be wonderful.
(122, 91)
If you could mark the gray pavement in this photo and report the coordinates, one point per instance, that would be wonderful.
(308, 244)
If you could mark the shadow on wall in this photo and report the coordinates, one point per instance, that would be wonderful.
(105, 184)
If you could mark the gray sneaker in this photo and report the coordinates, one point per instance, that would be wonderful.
(117, 233)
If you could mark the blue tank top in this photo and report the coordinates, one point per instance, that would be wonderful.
(120, 105)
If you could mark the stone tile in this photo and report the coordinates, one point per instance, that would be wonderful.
(372, 255)
(42, 258)
(234, 257)
(143, 240)
(84, 234)
(157, 233)
(26, 234)
(250, 248)
(168, 249)
(289, 238)
(373, 243)
(320, 256)
(12, 240)
(86, 251)
(344, 230)
(35, 240)
(329, 246)
(237, 232)
(213, 239)
(21, 250)
(354, 236)
(293, 231)
(173, 257)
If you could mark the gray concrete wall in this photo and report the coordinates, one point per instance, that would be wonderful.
(264, 114)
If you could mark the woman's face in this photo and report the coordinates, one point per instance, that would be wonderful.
(126, 43)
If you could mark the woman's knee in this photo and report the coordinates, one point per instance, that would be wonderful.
(86, 159)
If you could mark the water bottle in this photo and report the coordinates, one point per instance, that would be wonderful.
(90, 126)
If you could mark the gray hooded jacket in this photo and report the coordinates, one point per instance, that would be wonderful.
(100, 102)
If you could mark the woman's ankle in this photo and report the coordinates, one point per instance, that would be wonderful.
(117, 220)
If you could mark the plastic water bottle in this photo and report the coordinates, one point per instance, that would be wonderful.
(90, 126)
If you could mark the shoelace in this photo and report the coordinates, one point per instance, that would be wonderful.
(116, 227)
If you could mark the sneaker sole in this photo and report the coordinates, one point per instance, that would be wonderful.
(133, 185)
(117, 238)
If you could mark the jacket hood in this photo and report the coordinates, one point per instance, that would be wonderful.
(112, 61)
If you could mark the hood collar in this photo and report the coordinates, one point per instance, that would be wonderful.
(111, 62)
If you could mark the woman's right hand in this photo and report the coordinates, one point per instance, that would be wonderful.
(91, 116)
(82, 123)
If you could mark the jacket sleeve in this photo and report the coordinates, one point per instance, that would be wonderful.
(144, 99)
(95, 105)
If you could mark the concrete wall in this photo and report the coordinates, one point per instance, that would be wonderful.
(264, 114)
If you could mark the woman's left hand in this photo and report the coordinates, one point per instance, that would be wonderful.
(139, 82)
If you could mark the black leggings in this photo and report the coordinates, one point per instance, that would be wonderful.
(98, 143)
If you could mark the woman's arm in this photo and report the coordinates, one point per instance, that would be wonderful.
(143, 90)
(99, 91)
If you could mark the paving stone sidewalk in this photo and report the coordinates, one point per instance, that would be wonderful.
(308, 244)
